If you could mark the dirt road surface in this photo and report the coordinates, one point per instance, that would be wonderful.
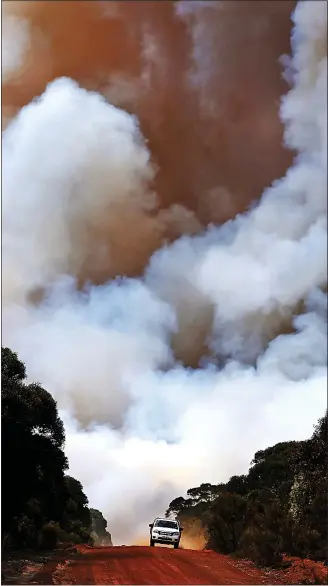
(146, 565)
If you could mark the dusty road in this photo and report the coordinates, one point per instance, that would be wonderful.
(145, 565)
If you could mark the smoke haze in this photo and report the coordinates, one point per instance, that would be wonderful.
(177, 335)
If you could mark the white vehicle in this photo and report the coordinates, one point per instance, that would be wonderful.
(165, 531)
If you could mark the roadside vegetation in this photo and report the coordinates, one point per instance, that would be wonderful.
(274, 513)
(278, 509)
(42, 506)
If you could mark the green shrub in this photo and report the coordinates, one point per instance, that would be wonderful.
(74, 539)
(49, 535)
(227, 522)
(24, 533)
(262, 546)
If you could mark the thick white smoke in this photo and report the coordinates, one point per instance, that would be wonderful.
(245, 300)
(13, 53)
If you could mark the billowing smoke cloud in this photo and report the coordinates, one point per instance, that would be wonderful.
(173, 374)
(202, 80)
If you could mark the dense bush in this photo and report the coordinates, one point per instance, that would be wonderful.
(41, 505)
(261, 545)
(227, 522)
(98, 527)
(279, 507)
(49, 535)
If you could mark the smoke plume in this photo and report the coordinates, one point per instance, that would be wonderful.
(177, 334)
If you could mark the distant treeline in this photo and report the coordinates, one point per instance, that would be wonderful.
(279, 507)
(41, 505)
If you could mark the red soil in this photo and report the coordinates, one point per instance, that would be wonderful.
(159, 565)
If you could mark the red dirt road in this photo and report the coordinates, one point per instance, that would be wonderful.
(146, 565)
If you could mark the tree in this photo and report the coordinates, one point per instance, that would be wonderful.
(177, 506)
(33, 462)
(39, 503)
(76, 518)
(279, 507)
(98, 528)
(308, 497)
(237, 485)
(204, 493)
(227, 522)
(273, 468)
(11, 367)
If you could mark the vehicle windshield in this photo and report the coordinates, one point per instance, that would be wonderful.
(168, 524)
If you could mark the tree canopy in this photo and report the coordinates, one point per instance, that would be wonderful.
(40, 503)
(279, 507)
